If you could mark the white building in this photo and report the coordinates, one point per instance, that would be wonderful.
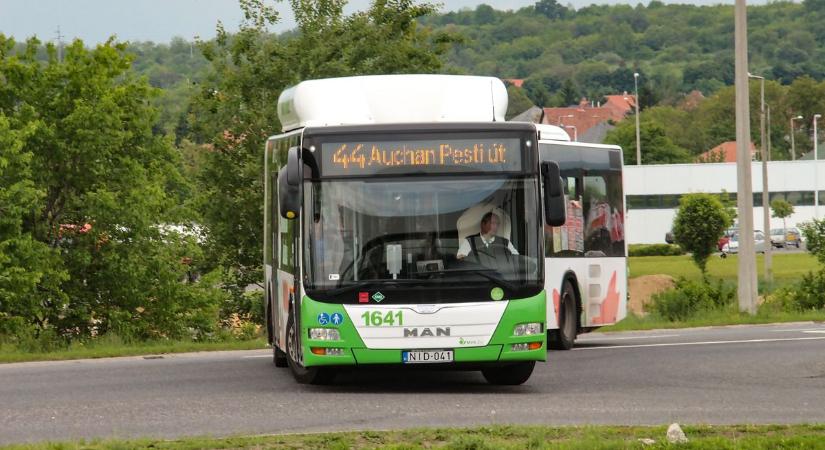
(653, 192)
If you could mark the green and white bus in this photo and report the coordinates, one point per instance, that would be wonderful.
(406, 223)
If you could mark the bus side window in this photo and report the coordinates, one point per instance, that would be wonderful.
(568, 239)
(603, 214)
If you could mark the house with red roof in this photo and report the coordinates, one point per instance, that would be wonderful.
(724, 152)
(588, 118)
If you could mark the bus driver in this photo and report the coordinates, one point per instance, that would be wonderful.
(486, 247)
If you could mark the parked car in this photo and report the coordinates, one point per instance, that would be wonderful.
(778, 237)
(732, 246)
(725, 238)
(793, 237)
(781, 237)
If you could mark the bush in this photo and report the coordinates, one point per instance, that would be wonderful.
(700, 221)
(805, 296)
(654, 250)
(691, 297)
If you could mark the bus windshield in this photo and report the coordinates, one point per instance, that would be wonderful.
(422, 232)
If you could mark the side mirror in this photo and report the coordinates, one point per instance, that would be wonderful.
(289, 186)
(555, 208)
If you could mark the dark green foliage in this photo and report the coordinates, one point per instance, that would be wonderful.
(518, 102)
(808, 293)
(700, 222)
(551, 9)
(654, 250)
(691, 297)
(656, 147)
(675, 47)
(781, 208)
(86, 190)
(814, 233)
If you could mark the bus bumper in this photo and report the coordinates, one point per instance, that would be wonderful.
(350, 350)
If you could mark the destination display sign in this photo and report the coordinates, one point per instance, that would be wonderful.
(447, 155)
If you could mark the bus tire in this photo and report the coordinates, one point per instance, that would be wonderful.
(303, 375)
(564, 337)
(509, 375)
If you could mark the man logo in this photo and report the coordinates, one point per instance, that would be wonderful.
(426, 332)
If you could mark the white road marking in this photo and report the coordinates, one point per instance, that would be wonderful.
(804, 330)
(676, 344)
(591, 339)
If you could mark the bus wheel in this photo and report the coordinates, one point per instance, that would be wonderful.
(565, 336)
(303, 375)
(509, 375)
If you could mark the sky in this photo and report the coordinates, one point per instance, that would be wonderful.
(94, 21)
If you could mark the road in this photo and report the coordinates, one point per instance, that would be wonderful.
(742, 374)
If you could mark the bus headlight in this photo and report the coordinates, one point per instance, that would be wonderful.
(324, 334)
(528, 329)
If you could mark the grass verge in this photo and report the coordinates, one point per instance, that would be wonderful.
(714, 318)
(492, 437)
(787, 267)
(112, 347)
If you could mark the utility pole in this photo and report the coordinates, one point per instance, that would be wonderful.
(768, 113)
(816, 169)
(793, 143)
(636, 101)
(59, 45)
(766, 207)
(744, 192)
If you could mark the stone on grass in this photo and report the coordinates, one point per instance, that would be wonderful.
(647, 441)
(675, 435)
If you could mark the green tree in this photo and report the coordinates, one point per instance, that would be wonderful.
(656, 147)
(26, 265)
(568, 95)
(700, 221)
(814, 233)
(782, 209)
(106, 185)
(550, 9)
(518, 102)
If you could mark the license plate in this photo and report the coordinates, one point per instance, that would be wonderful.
(426, 356)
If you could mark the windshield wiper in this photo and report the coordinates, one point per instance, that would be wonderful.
(490, 274)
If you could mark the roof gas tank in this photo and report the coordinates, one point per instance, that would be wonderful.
(392, 99)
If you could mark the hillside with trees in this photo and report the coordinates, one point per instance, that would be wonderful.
(564, 54)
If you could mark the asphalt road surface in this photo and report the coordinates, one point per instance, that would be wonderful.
(743, 374)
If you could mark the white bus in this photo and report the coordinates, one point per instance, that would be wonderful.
(586, 267)
(406, 223)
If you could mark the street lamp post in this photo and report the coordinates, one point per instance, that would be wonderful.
(793, 144)
(575, 132)
(766, 212)
(636, 102)
(816, 170)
